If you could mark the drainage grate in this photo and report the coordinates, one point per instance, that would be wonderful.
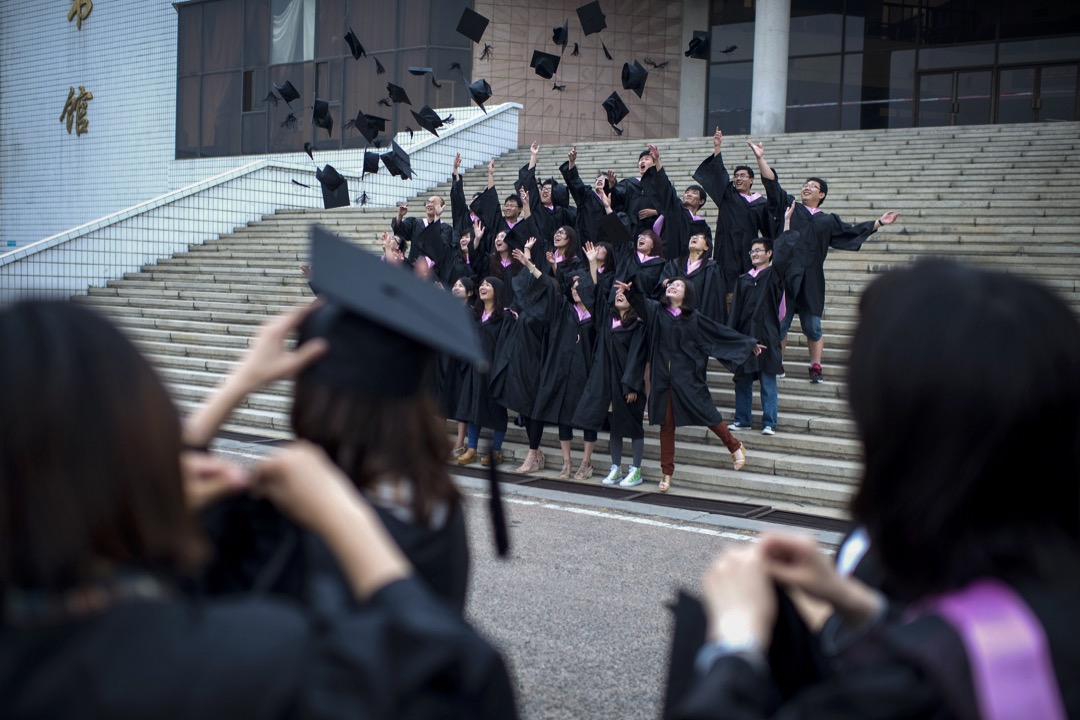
(719, 507)
(581, 488)
(810, 522)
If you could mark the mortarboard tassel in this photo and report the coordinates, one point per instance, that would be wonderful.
(410, 131)
(729, 49)
(488, 52)
(498, 512)
(386, 102)
(297, 182)
(558, 88)
(379, 69)
(435, 82)
(577, 50)
(606, 53)
(362, 199)
(271, 98)
(289, 123)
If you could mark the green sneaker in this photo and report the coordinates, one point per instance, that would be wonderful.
(633, 477)
(612, 476)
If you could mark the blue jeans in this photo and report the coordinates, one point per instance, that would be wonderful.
(811, 325)
(474, 438)
(744, 399)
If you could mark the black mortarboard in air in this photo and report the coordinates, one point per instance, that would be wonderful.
(369, 125)
(335, 188)
(384, 326)
(287, 92)
(355, 47)
(428, 119)
(371, 162)
(397, 94)
(633, 77)
(472, 25)
(700, 227)
(321, 117)
(699, 46)
(561, 35)
(616, 110)
(418, 71)
(614, 230)
(481, 92)
(591, 17)
(545, 64)
(397, 162)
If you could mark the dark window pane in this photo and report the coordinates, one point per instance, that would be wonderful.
(330, 30)
(415, 21)
(254, 129)
(973, 98)
(328, 79)
(223, 27)
(375, 23)
(958, 21)
(730, 88)
(189, 40)
(256, 33)
(248, 103)
(852, 97)
(1016, 95)
(444, 19)
(729, 12)
(900, 19)
(221, 114)
(816, 27)
(1057, 91)
(1032, 18)
(956, 57)
(188, 112)
(935, 99)
(283, 138)
(292, 31)
(900, 69)
(813, 94)
(741, 35)
(1041, 50)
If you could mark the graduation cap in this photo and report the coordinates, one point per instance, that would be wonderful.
(397, 94)
(287, 91)
(418, 71)
(479, 89)
(472, 25)
(545, 64)
(428, 119)
(383, 325)
(633, 77)
(591, 17)
(614, 230)
(397, 162)
(700, 227)
(699, 46)
(371, 162)
(561, 35)
(335, 188)
(616, 110)
(368, 125)
(321, 117)
(355, 47)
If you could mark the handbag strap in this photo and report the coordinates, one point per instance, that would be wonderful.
(1011, 669)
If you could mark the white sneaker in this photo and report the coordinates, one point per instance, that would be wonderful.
(633, 477)
(767, 431)
(612, 476)
(737, 426)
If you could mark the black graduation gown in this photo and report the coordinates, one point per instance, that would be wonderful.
(590, 208)
(755, 307)
(630, 196)
(410, 228)
(548, 219)
(675, 233)
(459, 208)
(478, 404)
(515, 372)
(402, 654)
(899, 671)
(679, 352)
(645, 275)
(618, 368)
(568, 355)
(739, 222)
(819, 232)
(450, 266)
(708, 282)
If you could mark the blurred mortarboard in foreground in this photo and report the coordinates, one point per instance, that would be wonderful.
(355, 47)
(397, 162)
(397, 94)
(384, 326)
(634, 77)
(418, 71)
(472, 25)
(545, 64)
(561, 35)
(335, 188)
(616, 110)
(287, 92)
(428, 119)
(368, 125)
(699, 46)
(591, 17)
(371, 162)
(321, 117)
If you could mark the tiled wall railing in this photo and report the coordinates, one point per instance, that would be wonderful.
(68, 263)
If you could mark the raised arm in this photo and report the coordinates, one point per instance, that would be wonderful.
(764, 170)
(491, 174)
(711, 173)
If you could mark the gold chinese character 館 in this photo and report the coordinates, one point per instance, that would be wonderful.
(75, 110)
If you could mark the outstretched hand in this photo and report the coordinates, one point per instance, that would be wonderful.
(269, 358)
(717, 141)
(788, 213)
(591, 252)
(757, 148)
(571, 157)
(534, 148)
(888, 218)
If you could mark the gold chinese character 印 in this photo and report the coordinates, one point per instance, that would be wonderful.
(75, 110)
(82, 9)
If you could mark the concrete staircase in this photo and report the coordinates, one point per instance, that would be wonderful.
(1003, 196)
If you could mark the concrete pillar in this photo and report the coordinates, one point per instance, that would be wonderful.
(768, 107)
(693, 74)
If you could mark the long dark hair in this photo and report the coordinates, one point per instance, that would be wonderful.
(689, 302)
(989, 361)
(89, 454)
(500, 298)
(609, 257)
(573, 244)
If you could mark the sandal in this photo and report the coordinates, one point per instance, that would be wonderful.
(458, 452)
(564, 474)
(486, 459)
(530, 465)
(665, 483)
(738, 458)
(584, 471)
(467, 458)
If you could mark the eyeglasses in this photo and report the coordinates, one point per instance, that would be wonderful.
(758, 251)
(811, 186)
(741, 176)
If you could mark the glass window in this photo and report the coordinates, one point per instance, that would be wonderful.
(899, 20)
(813, 95)
(853, 100)
(1041, 50)
(1032, 18)
(1016, 95)
(1057, 93)
(223, 23)
(958, 21)
(935, 99)
(956, 57)
(188, 110)
(256, 34)
(817, 27)
(220, 129)
(330, 30)
(741, 35)
(189, 40)
(973, 97)
(730, 88)
(292, 31)
(900, 68)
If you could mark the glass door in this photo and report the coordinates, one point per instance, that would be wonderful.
(1037, 94)
(956, 97)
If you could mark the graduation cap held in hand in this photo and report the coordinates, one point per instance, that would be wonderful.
(699, 46)
(397, 162)
(335, 188)
(616, 110)
(472, 25)
(545, 64)
(592, 18)
(287, 92)
(634, 77)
